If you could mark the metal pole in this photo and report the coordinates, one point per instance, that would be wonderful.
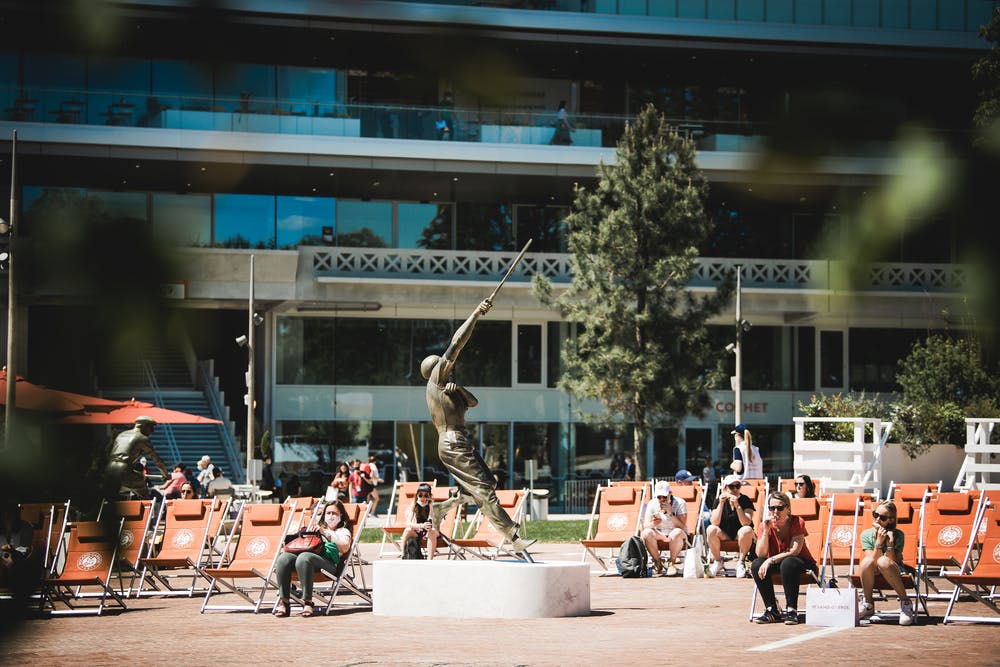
(250, 377)
(738, 389)
(11, 302)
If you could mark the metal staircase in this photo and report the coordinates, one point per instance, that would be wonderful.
(162, 377)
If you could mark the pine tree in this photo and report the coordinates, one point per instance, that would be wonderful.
(642, 347)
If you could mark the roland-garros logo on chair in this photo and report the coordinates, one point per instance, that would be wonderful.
(617, 522)
(258, 547)
(183, 538)
(996, 553)
(89, 561)
(949, 536)
(127, 538)
(843, 536)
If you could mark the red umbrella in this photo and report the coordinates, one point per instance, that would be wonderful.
(132, 410)
(30, 396)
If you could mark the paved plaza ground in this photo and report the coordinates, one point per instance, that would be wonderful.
(633, 622)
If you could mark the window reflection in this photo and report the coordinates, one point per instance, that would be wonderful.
(244, 221)
(424, 226)
(305, 348)
(301, 220)
(305, 90)
(364, 224)
(182, 85)
(543, 224)
(122, 205)
(245, 88)
(484, 227)
(183, 220)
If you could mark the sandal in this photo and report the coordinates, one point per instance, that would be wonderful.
(283, 609)
(307, 609)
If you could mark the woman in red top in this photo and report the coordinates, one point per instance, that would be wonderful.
(781, 549)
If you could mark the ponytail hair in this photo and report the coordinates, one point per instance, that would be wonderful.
(747, 438)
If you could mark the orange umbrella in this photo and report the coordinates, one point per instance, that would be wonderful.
(30, 396)
(132, 410)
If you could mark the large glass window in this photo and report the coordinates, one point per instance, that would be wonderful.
(558, 333)
(364, 224)
(484, 227)
(182, 85)
(304, 90)
(384, 352)
(244, 221)
(831, 359)
(541, 443)
(529, 353)
(427, 226)
(184, 220)
(54, 80)
(595, 449)
(118, 90)
(301, 220)
(545, 225)
(486, 362)
(122, 205)
(875, 354)
(245, 88)
(305, 349)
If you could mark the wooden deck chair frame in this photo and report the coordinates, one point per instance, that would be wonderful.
(340, 580)
(614, 518)
(482, 540)
(185, 548)
(399, 502)
(254, 557)
(911, 578)
(91, 549)
(947, 524)
(979, 579)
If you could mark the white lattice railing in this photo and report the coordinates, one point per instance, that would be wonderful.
(489, 266)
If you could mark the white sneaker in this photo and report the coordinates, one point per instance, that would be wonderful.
(741, 569)
(715, 568)
(906, 613)
(865, 611)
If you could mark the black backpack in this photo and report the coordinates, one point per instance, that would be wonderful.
(412, 550)
(632, 559)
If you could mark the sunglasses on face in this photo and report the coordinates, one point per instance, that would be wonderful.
(184, 492)
(776, 508)
(735, 486)
(423, 495)
(800, 483)
(881, 517)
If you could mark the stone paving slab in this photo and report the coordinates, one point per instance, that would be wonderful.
(633, 621)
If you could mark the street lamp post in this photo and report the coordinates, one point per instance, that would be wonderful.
(250, 373)
(738, 351)
(11, 301)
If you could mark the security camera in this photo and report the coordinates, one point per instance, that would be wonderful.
(731, 347)
(746, 325)
(242, 341)
(257, 319)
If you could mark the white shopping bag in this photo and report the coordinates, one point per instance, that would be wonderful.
(832, 607)
(694, 566)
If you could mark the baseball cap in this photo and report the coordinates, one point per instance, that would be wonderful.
(684, 476)
(731, 479)
(145, 420)
(662, 489)
(739, 429)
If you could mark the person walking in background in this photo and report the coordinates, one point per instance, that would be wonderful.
(446, 118)
(747, 463)
(562, 136)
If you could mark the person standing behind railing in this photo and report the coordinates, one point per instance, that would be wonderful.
(562, 135)
(446, 118)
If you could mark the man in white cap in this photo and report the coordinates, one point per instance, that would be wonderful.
(730, 520)
(666, 520)
(128, 447)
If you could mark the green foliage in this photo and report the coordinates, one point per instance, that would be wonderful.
(943, 369)
(840, 405)
(548, 532)
(986, 70)
(918, 425)
(944, 380)
(642, 348)
(266, 446)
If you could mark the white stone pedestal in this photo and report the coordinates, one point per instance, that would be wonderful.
(480, 589)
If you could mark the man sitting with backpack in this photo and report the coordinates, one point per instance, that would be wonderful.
(665, 519)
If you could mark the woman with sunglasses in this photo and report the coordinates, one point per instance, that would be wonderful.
(188, 492)
(336, 529)
(781, 549)
(805, 487)
(883, 547)
(419, 525)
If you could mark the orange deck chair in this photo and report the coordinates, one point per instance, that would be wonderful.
(341, 580)
(135, 537)
(948, 523)
(979, 578)
(912, 492)
(482, 539)
(613, 519)
(262, 528)
(187, 535)
(49, 521)
(842, 534)
(403, 494)
(91, 550)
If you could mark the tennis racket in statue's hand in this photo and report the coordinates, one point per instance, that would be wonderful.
(510, 271)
